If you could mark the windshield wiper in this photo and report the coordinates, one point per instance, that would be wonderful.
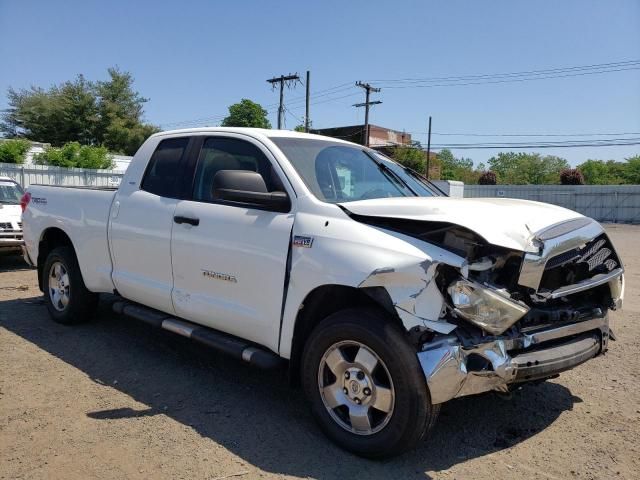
(422, 179)
(390, 174)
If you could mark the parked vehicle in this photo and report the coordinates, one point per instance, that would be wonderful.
(10, 216)
(385, 298)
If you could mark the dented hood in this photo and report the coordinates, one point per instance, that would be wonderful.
(505, 222)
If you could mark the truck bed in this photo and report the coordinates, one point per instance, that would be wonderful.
(83, 214)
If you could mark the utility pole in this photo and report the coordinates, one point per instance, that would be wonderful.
(368, 89)
(282, 80)
(428, 148)
(307, 119)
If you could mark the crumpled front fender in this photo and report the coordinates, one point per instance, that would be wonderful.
(414, 293)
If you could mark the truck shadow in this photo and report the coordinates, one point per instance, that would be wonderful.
(12, 263)
(257, 415)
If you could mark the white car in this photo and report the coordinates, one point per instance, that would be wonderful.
(384, 297)
(10, 216)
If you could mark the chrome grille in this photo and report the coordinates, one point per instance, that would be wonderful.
(597, 256)
(6, 225)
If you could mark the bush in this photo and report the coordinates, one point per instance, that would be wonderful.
(74, 155)
(14, 151)
(487, 178)
(571, 176)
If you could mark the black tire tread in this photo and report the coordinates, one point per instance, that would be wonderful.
(83, 303)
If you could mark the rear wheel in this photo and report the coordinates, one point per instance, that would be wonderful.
(66, 295)
(365, 384)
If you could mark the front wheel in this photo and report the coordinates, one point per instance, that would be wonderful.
(65, 293)
(365, 385)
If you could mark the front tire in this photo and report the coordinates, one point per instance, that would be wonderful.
(365, 385)
(66, 296)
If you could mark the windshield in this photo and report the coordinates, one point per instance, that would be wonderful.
(336, 172)
(10, 192)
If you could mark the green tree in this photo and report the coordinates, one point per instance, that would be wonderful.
(246, 114)
(13, 151)
(632, 170)
(457, 168)
(411, 157)
(120, 110)
(91, 113)
(74, 155)
(600, 172)
(527, 168)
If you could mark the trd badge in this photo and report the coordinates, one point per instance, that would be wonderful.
(304, 242)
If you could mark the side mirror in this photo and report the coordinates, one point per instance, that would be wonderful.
(244, 186)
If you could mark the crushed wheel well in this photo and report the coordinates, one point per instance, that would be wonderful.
(326, 300)
(52, 238)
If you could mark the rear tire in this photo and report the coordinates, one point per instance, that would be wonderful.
(393, 394)
(66, 296)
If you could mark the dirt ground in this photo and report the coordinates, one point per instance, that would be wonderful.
(116, 399)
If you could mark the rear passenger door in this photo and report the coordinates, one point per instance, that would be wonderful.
(229, 263)
(140, 228)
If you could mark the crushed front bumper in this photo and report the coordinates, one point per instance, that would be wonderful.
(453, 370)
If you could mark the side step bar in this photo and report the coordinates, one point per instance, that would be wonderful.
(222, 342)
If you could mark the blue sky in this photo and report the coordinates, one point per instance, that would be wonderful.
(194, 58)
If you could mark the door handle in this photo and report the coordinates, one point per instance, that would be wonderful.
(191, 221)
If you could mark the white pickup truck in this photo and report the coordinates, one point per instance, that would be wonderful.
(383, 296)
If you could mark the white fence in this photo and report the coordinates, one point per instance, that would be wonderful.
(26, 175)
(605, 203)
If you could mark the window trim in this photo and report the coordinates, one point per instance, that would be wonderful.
(192, 167)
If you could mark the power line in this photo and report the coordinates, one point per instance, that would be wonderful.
(297, 118)
(557, 142)
(318, 94)
(525, 134)
(547, 71)
(513, 147)
(324, 93)
(604, 143)
(448, 81)
(508, 80)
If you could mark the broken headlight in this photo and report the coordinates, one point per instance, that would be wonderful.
(484, 307)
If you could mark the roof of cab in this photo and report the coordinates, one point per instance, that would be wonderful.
(253, 132)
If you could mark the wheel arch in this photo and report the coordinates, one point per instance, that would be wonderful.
(51, 238)
(325, 300)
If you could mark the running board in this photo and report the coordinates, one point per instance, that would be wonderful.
(227, 344)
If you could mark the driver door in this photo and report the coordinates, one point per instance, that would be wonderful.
(229, 259)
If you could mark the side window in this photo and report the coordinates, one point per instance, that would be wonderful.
(163, 169)
(230, 154)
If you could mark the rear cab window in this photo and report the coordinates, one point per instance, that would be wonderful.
(163, 172)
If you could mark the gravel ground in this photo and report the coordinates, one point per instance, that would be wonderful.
(115, 399)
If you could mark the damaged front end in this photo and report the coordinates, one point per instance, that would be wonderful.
(487, 318)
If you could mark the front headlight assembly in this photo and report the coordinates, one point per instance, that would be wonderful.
(486, 308)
